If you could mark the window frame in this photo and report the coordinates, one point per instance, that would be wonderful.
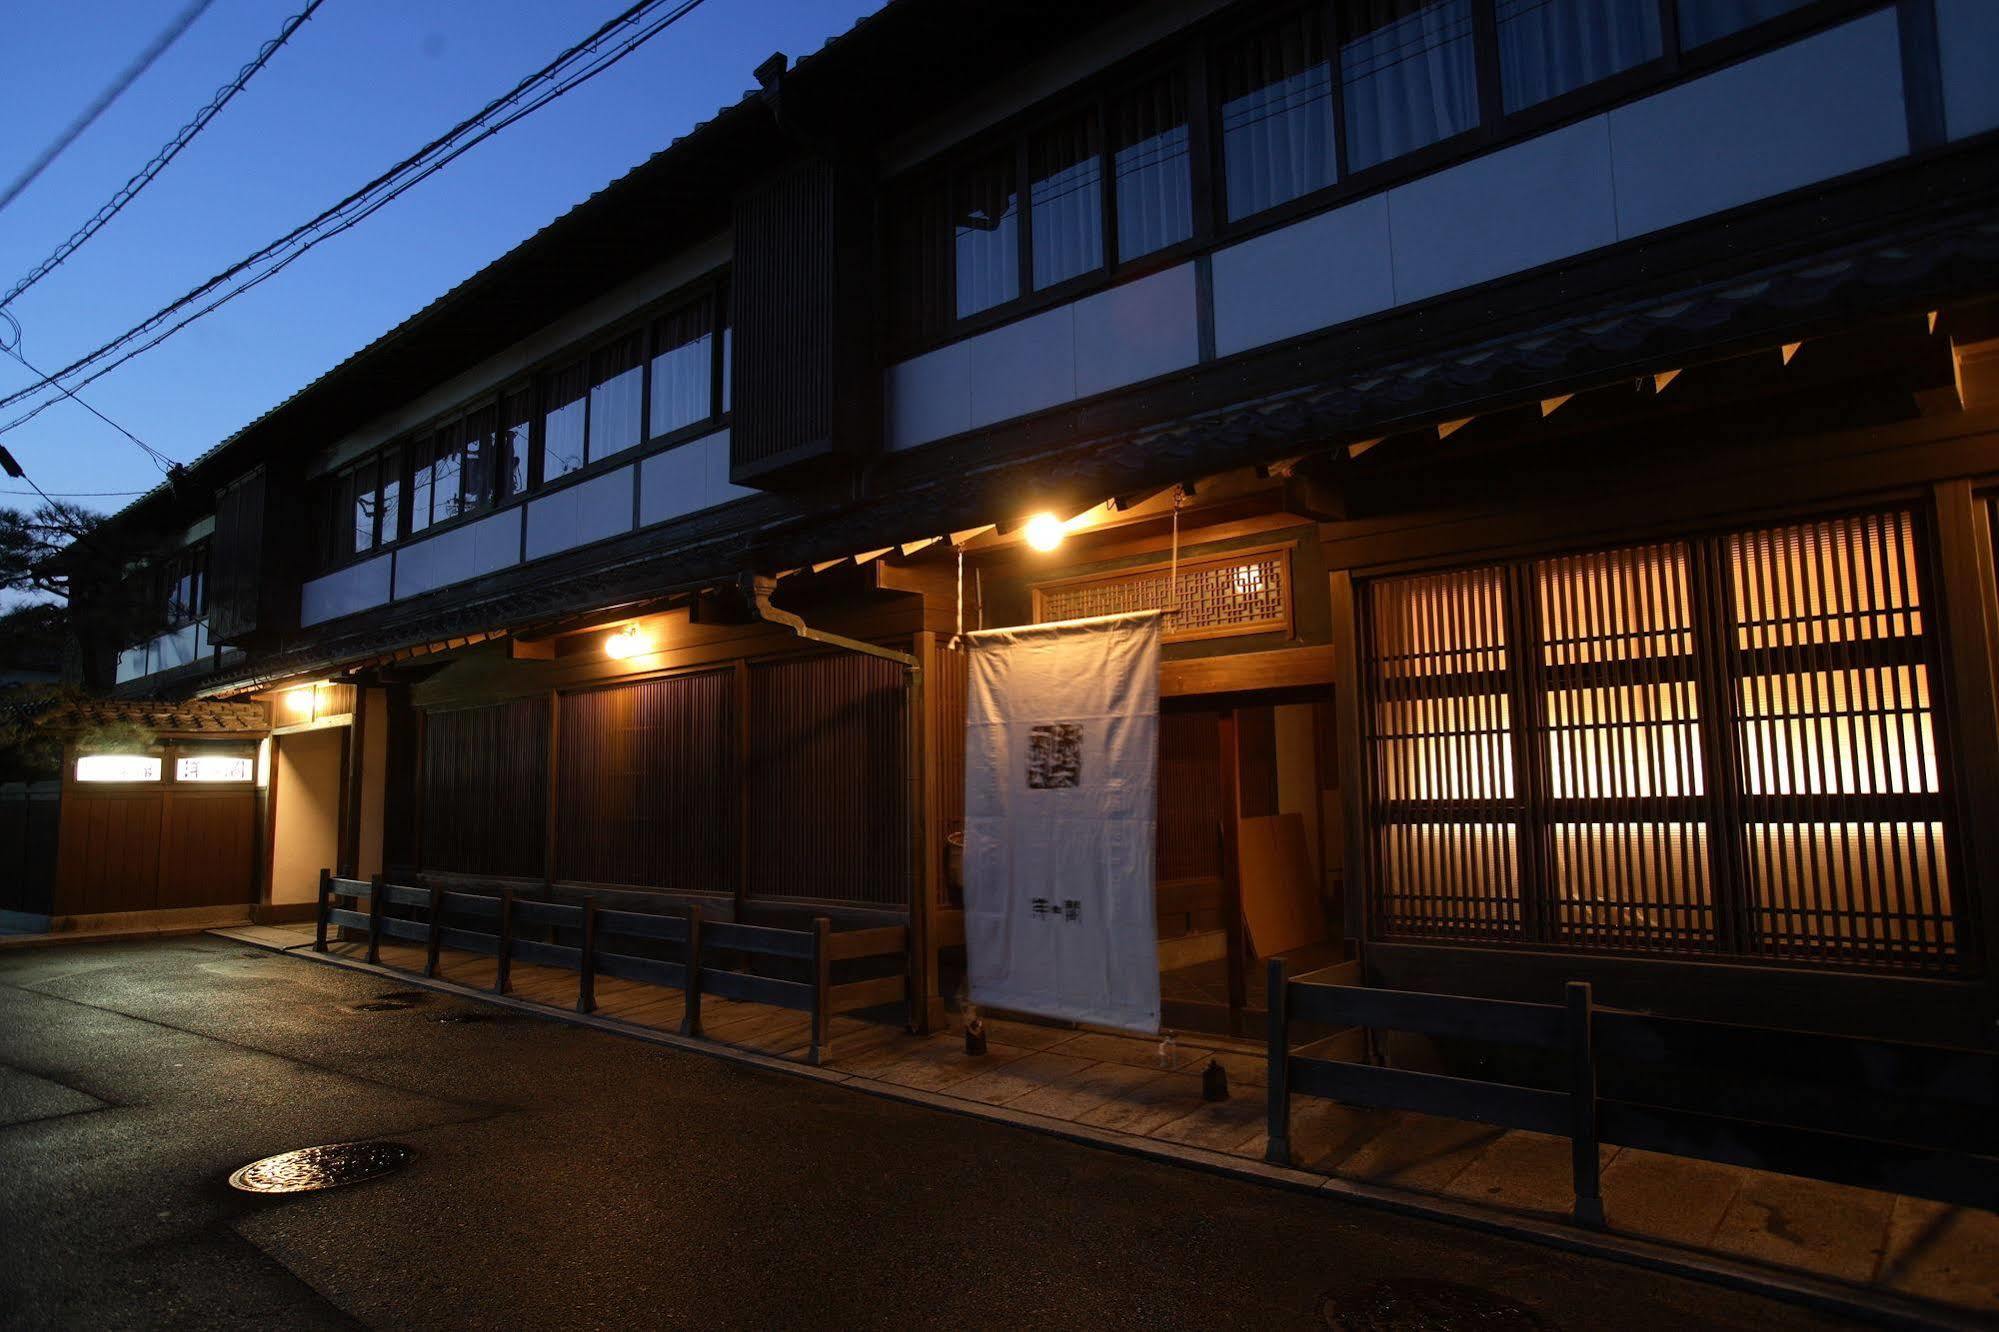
(1194, 54)
(333, 494)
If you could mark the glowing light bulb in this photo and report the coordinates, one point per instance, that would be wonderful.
(627, 642)
(300, 701)
(1044, 531)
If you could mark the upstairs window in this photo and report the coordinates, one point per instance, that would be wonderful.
(683, 363)
(617, 396)
(1277, 116)
(1148, 145)
(1408, 76)
(1549, 47)
(986, 216)
(1065, 192)
(179, 585)
(563, 444)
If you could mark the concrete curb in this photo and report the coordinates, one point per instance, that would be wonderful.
(12, 941)
(1864, 1304)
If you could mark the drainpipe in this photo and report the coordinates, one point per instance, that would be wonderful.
(758, 590)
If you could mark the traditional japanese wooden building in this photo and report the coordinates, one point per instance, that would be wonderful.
(1568, 431)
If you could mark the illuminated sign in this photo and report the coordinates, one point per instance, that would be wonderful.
(117, 768)
(215, 768)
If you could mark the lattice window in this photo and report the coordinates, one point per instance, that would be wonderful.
(1731, 745)
(1246, 592)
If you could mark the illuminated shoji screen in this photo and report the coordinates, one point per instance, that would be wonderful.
(1731, 745)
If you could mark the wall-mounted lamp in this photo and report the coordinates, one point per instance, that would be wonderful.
(627, 642)
(1044, 531)
(300, 702)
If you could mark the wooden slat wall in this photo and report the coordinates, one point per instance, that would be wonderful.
(648, 788)
(948, 687)
(208, 850)
(826, 780)
(110, 857)
(1190, 796)
(486, 789)
(1733, 745)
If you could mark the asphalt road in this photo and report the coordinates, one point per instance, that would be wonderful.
(572, 1178)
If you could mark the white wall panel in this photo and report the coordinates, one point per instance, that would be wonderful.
(1025, 366)
(1312, 274)
(175, 649)
(930, 396)
(131, 664)
(1968, 41)
(482, 547)
(1137, 330)
(593, 511)
(687, 479)
(358, 587)
(1803, 113)
(1506, 212)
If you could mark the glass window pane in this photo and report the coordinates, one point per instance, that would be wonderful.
(364, 507)
(1705, 20)
(392, 494)
(728, 357)
(987, 213)
(682, 363)
(1066, 194)
(448, 458)
(1277, 116)
(1549, 47)
(1155, 203)
(1408, 76)
(516, 429)
(478, 467)
(420, 478)
(617, 395)
(562, 423)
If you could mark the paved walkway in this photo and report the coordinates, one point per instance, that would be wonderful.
(1130, 1089)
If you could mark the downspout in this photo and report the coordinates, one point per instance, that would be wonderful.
(758, 590)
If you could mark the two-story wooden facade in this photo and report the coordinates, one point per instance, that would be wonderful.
(1569, 431)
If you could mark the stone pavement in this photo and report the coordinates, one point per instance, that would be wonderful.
(1131, 1087)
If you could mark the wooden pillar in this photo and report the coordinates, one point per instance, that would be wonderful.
(354, 759)
(690, 1018)
(586, 969)
(1277, 1067)
(325, 904)
(375, 895)
(1231, 757)
(926, 1003)
(554, 771)
(436, 930)
(502, 973)
(1970, 597)
(1584, 1158)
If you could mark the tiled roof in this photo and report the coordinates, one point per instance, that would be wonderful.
(189, 717)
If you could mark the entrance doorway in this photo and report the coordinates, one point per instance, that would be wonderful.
(1248, 864)
(306, 772)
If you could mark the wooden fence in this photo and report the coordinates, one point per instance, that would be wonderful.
(491, 924)
(1920, 1120)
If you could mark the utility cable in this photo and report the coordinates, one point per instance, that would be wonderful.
(364, 202)
(105, 99)
(144, 176)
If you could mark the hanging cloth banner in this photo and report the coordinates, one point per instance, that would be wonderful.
(1061, 764)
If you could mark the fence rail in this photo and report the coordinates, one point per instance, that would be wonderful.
(604, 948)
(1911, 1119)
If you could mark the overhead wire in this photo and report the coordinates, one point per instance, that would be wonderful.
(145, 174)
(376, 194)
(160, 460)
(132, 74)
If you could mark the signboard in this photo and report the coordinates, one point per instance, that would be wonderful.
(1061, 775)
(215, 768)
(117, 768)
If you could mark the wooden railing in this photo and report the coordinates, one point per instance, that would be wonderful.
(490, 924)
(1912, 1119)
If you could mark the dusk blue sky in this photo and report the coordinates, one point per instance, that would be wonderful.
(362, 85)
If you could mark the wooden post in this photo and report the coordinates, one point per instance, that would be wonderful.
(436, 929)
(822, 991)
(1231, 867)
(690, 1018)
(325, 905)
(1277, 1072)
(501, 973)
(375, 894)
(586, 972)
(1585, 1159)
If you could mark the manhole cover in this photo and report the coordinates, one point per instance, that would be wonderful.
(1426, 1306)
(327, 1167)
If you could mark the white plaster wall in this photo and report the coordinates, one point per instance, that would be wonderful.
(1025, 366)
(591, 511)
(687, 479)
(1137, 331)
(1262, 293)
(483, 547)
(1968, 42)
(358, 587)
(1801, 114)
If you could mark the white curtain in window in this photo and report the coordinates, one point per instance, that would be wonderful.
(1148, 129)
(1277, 117)
(988, 242)
(1408, 76)
(562, 424)
(1066, 194)
(1549, 47)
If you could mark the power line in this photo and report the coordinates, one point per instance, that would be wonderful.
(144, 176)
(523, 100)
(74, 494)
(13, 349)
(106, 98)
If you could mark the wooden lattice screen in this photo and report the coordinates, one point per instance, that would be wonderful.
(1732, 745)
(1245, 592)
